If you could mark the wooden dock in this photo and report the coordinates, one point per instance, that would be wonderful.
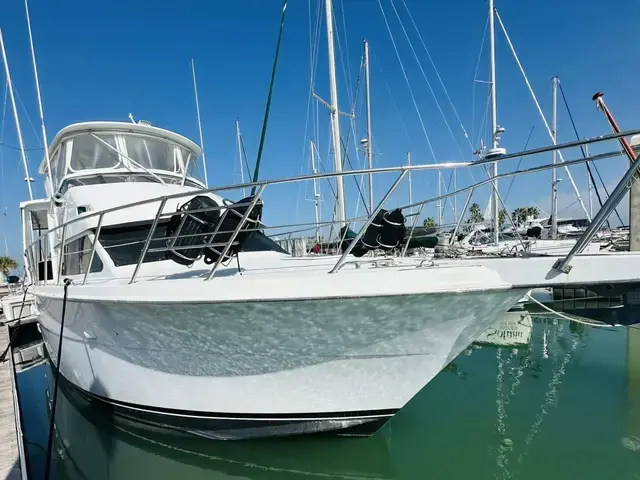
(10, 462)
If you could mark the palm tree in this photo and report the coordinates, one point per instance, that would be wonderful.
(429, 222)
(502, 216)
(6, 265)
(533, 212)
(475, 214)
(521, 214)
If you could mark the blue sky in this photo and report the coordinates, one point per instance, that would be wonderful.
(104, 60)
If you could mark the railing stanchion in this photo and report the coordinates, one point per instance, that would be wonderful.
(353, 242)
(413, 227)
(149, 237)
(464, 209)
(227, 247)
(612, 202)
(93, 248)
(61, 259)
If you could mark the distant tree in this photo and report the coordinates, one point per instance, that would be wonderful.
(533, 212)
(7, 264)
(520, 214)
(429, 222)
(502, 216)
(475, 214)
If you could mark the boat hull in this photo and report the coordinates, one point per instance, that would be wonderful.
(253, 369)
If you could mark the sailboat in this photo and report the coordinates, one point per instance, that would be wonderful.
(167, 299)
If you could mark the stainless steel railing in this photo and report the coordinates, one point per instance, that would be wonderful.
(402, 170)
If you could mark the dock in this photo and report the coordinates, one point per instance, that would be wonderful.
(10, 461)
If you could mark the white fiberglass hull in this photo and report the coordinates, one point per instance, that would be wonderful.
(247, 369)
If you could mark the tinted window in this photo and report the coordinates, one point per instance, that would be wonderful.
(124, 243)
(76, 257)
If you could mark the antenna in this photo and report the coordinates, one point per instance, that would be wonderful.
(133, 120)
(195, 89)
(239, 141)
(15, 116)
(45, 143)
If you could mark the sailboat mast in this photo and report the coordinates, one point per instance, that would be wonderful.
(369, 148)
(335, 120)
(15, 116)
(316, 195)
(439, 200)
(45, 143)
(494, 120)
(410, 191)
(195, 90)
(554, 172)
(239, 141)
(455, 198)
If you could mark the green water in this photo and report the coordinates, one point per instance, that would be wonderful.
(566, 406)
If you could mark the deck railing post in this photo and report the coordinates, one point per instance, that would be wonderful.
(612, 202)
(93, 248)
(61, 259)
(227, 247)
(413, 227)
(148, 241)
(464, 209)
(353, 242)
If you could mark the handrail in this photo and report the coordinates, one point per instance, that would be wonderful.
(152, 230)
(61, 259)
(248, 212)
(93, 248)
(343, 173)
(606, 209)
(431, 166)
(539, 168)
(263, 183)
(362, 231)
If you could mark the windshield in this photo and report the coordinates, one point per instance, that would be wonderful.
(124, 152)
(90, 152)
(152, 153)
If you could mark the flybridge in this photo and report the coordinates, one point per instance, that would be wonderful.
(107, 152)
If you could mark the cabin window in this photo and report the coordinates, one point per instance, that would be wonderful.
(76, 257)
(90, 153)
(151, 153)
(124, 243)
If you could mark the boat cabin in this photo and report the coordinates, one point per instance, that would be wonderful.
(110, 152)
(118, 189)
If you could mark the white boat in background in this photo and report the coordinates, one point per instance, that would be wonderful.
(479, 242)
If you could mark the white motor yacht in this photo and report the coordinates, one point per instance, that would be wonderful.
(178, 308)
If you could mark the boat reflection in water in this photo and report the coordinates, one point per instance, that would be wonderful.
(93, 443)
